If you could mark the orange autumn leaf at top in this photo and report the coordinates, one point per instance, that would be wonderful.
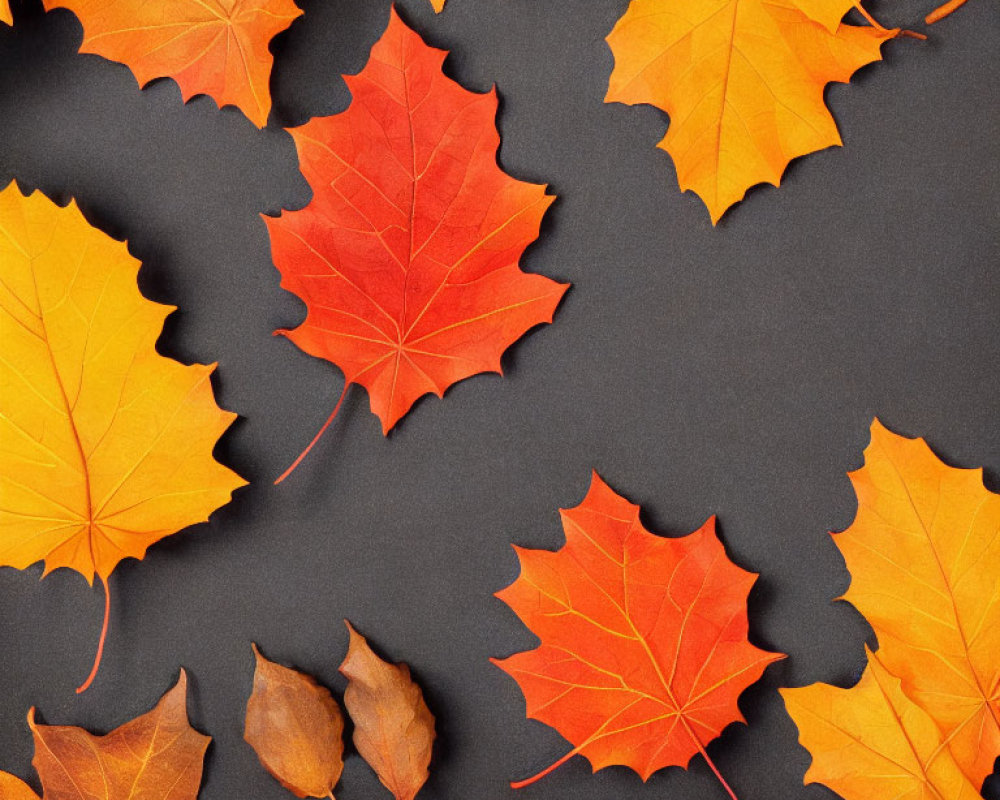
(872, 741)
(5, 15)
(157, 756)
(644, 647)
(213, 47)
(438, 5)
(407, 255)
(742, 81)
(924, 557)
(107, 444)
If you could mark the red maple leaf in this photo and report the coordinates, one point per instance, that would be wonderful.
(644, 639)
(407, 255)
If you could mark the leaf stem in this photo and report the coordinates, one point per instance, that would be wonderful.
(104, 635)
(544, 772)
(943, 11)
(718, 774)
(871, 20)
(880, 27)
(317, 437)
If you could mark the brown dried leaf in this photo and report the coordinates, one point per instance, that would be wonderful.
(393, 728)
(157, 756)
(296, 728)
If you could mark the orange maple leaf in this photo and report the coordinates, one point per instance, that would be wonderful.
(107, 444)
(872, 741)
(157, 756)
(438, 5)
(213, 47)
(5, 15)
(742, 81)
(924, 557)
(407, 256)
(644, 647)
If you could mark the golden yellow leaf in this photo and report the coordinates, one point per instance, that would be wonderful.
(213, 47)
(872, 741)
(924, 557)
(107, 445)
(742, 81)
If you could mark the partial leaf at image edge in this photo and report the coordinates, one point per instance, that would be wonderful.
(745, 96)
(107, 444)
(13, 788)
(217, 49)
(620, 672)
(872, 741)
(924, 557)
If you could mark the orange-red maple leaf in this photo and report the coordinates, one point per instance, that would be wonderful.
(407, 256)
(644, 647)
(213, 47)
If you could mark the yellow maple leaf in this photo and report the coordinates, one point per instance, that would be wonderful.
(742, 81)
(107, 445)
(924, 557)
(872, 741)
(213, 47)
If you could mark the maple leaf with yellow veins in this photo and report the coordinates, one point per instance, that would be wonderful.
(742, 81)
(107, 445)
(873, 741)
(924, 557)
(213, 47)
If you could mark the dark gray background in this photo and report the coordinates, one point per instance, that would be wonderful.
(731, 371)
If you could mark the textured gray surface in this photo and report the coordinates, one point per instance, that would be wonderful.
(731, 371)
